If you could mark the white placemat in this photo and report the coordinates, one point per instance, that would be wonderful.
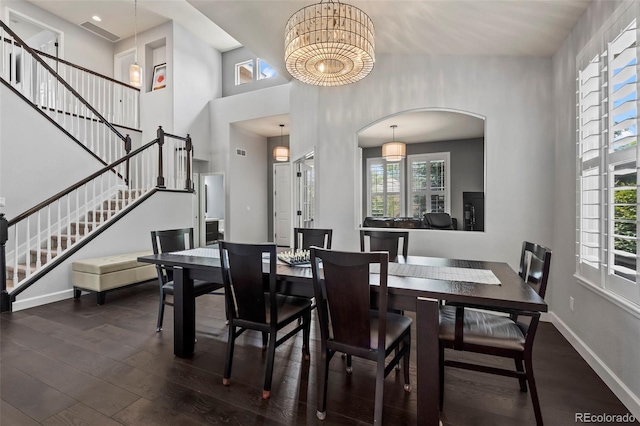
(199, 252)
(447, 273)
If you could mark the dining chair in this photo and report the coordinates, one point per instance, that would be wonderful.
(385, 241)
(304, 238)
(250, 307)
(349, 325)
(489, 333)
(168, 241)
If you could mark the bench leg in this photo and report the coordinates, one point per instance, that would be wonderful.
(101, 297)
(76, 293)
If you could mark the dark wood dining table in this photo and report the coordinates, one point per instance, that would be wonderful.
(419, 295)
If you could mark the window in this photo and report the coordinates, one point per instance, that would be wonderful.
(607, 125)
(384, 188)
(244, 72)
(429, 183)
(265, 70)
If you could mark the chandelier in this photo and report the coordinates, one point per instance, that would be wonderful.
(281, 152)
(329, 44)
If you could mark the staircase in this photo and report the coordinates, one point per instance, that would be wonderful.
(39, 239)
(58, 243)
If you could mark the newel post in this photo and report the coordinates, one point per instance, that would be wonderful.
(188, 185)
(5, 301)
(127, 149)
(160, 145)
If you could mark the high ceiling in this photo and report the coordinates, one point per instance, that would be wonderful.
(434, 27)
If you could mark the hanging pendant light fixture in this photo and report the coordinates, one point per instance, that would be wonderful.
(329, 44)
(135, 70)
(281, 152)
(394, 151)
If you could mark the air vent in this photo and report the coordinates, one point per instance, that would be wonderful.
(99, 31)
(241, 152)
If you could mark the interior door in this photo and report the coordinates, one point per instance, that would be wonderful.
(282, 204)
(305, 191)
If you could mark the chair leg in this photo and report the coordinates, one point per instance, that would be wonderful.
(405, 361)
(306, 332)
(160, 311)
(229, 361)
(528, 362)
(441, 369)
(378, 405)
(271, 352)
(323, 382)
(265, 339)
(349, 366)
(522, 380)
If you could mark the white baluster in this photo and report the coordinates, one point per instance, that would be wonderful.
(15, 254)
(49, 233)
(38, 243)
(68, 220)
(86, 211)
(77, 215)
(59, 245)
(97, 208)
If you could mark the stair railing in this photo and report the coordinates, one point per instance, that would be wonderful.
(116, 101)
(39, 238)
(28, 75)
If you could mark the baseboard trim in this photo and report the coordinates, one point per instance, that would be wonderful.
(617, 386)
(32, 302)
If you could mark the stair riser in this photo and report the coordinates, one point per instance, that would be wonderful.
(64, 241)
(43, 255)
(21, 274)
(116, 205)
(99, 216)
(81, 227)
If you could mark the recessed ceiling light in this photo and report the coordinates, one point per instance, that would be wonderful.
(96, 18)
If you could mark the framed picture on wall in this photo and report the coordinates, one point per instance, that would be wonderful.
(159, 77)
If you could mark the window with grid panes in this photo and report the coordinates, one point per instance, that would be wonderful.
(607, 128)
(429, 189)
(384, 188)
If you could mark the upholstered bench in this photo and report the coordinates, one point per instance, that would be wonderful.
(102, 274)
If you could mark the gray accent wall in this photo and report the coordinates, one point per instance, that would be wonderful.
(466, 174)
(229, 61)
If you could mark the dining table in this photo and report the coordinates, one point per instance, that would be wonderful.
(415, 283)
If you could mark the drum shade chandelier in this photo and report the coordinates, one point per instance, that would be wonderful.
(329, 44)
(394, 151)
(135, 70)
(281, 153)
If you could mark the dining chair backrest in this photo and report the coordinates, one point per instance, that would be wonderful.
(385, 241)
(304, 238)
(242, 274)
(170, 240)
(535, 261)
(343, 297)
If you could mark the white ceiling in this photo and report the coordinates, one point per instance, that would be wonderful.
(437, 27)
(422, 126)
(266, 126)
(118, 17)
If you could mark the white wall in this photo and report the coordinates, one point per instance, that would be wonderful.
(197, 80)
(36, 155)
(514, 94)
(81, 47)
(224, 111)
(156, 107)
(605, 333)
(130, 234)
(247, 188)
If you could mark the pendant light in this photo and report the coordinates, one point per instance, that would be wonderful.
(394, 151)
(281, 152)
(135, 70)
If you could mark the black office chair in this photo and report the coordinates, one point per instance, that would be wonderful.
(169, 241)
(348, 325)
(304, 238)
(250, 307)
(440, 221)
(504, 336)
(385, 241)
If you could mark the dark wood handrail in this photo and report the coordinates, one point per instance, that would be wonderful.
(77, 185)
(62, 61)
(182, 138)
(71, 64)
(64, 83)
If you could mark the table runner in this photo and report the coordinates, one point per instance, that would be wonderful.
(446, 273)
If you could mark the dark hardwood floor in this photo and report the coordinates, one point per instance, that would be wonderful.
(77, 363)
